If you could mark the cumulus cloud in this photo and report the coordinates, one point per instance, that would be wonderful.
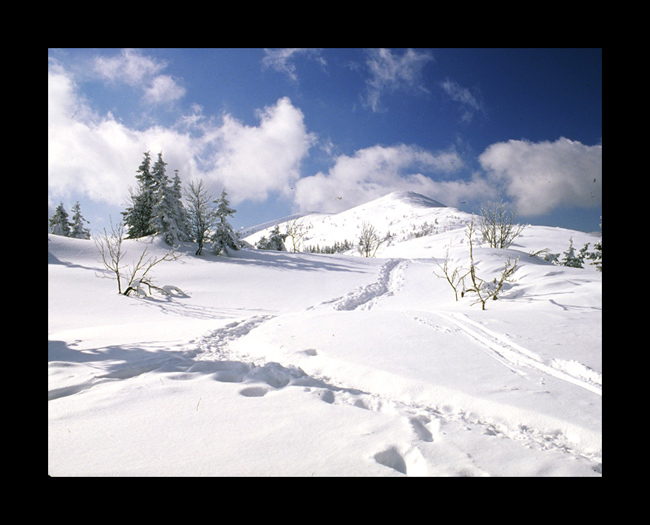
(134, 69)
(375, 171)
(390, 72)
(163, 89)
(96, 156)
(255, 160)
(546, 175)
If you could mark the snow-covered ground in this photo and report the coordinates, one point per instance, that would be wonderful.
(298, 364)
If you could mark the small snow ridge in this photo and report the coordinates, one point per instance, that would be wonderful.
(578, 370)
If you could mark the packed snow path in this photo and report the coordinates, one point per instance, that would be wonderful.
(391, 274)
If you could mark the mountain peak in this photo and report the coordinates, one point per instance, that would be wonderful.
(414, 199)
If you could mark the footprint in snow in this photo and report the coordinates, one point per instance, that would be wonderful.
(253, 391)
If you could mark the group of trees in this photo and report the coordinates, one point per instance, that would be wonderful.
(60, 224)
(575, 259)
(157, 209)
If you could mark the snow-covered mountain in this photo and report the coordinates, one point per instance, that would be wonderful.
(301, 364)
(401, 214)
(406, 216)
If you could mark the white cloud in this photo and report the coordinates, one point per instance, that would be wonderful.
(96, 156)
(545, 175)
(389, 72)
(163, 89)
(282, 60)
(139, 71)
(252, 161)
(129, 67)
(470, 103)
(373, 172)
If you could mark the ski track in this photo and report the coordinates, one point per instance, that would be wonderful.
(515, 356)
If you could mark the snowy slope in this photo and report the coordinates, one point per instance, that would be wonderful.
(283, 364)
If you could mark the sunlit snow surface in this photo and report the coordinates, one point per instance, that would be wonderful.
(299, 364)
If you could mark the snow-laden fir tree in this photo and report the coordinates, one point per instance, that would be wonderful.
(181, 217)
(138, 216)
(59, 223)
(274, 242)
(157, 207)
(77, 229)
(168, 215)
(570, 257)
(224, 237)
(597, 255)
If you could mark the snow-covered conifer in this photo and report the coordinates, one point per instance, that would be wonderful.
(570, 257)
(274, 242)
(59, 224)
(224, 237)
(77, 229)
(180, 213)
(168, 214)
(138, 216)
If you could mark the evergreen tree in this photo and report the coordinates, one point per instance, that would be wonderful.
(169, 216)
(162, 222)
(77, 229)
(157, 206)
(224, 237)
(138, 216)
(570, 257)
(59, 224)
(274, 242)
(597, 255)
(179, 213)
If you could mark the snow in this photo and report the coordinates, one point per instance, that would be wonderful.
(298, 364)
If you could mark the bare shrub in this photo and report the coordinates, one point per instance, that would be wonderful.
(498, 225)
(112, 253)
(369, 240)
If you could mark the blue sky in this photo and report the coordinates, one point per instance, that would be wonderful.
(296, 130)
